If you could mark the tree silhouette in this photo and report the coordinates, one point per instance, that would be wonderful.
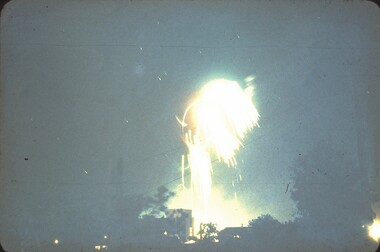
(268, 234)
(156, 206)
(208, 232)
(263, 220)
(332, 195)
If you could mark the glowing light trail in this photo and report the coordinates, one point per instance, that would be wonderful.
(216, 122)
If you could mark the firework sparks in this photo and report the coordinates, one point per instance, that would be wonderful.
(215, 123)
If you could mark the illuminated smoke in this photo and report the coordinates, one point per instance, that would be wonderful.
(215, 123)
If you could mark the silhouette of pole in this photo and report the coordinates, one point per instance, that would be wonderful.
(200, 231)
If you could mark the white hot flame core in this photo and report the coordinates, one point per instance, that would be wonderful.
(374, 230)
(220, 117)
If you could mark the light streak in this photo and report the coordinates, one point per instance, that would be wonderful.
(215, 123)
(201, 168)
(183, 171)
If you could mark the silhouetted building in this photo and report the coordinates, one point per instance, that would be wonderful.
(233, 233)
(155, 230)
(182, 223)
(177, 226)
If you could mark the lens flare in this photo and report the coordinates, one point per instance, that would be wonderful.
(374, 230)
(215, 123)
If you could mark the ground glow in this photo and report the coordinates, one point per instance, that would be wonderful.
(214, 124)
(220, 210)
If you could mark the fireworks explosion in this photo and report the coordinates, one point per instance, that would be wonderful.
(215, 124)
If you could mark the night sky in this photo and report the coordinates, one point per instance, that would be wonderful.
(90, 91)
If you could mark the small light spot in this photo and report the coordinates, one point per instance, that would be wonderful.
(56, 241)
(85, 171)
(105, 237)
(238, 36)
(200, 51)
(159, 78)
(140, 48)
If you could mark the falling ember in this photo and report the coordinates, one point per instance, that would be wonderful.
(374, 230)
(215, 123)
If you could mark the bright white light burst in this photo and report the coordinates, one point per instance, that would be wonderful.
(215, 123)
(374, 230)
